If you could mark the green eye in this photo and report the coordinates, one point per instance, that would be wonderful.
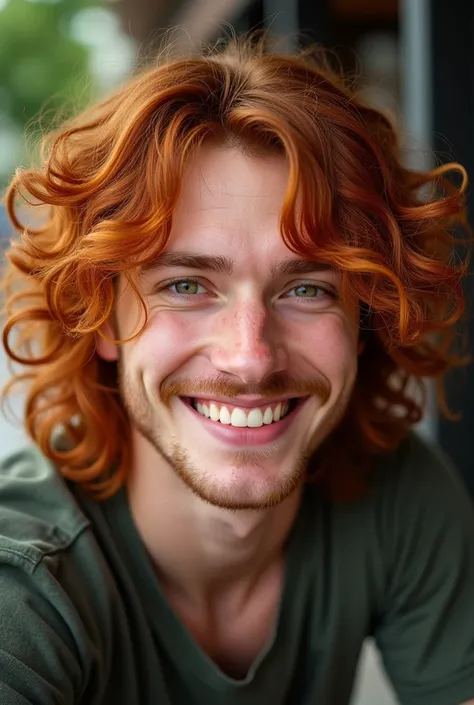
(306, 291)
(185, 287)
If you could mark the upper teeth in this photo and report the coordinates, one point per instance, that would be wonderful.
(242, 418)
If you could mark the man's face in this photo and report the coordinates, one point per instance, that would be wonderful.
(249, 356)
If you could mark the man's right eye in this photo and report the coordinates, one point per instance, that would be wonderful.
(186, 287)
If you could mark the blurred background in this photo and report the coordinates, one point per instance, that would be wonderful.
(411, 59)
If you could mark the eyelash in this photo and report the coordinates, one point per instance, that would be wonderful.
(328, 291)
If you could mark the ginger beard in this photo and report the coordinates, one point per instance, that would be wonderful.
(234, 495)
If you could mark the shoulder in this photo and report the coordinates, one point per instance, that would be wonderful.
(42, 645)
(416, 510)
(416, 459)
(418, 479)
(423, 519)
(57, 607)
(424, 524)
(38, 514)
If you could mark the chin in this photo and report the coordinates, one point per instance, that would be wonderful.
(252, 481)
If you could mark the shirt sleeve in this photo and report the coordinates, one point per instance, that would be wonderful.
(425, 630)
(39, 664)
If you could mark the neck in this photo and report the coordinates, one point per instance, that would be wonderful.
(198, 550)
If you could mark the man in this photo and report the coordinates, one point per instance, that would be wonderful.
(218, 323)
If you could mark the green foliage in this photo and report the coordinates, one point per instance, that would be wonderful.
(42, 67)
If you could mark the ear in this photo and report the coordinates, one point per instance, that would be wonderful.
(105, 348)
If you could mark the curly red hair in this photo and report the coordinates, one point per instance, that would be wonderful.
(108, 186)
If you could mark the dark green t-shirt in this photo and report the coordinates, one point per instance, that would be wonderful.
(83, 620)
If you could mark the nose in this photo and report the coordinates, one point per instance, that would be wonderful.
(248, 343)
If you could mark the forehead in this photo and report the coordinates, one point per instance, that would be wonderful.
(230, 202)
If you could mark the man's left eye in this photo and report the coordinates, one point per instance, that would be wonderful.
(307, 291)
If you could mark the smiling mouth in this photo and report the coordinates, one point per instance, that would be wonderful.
(239, 417)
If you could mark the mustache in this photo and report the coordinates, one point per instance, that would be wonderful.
(275, 385)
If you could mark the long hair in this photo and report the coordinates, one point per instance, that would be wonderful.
(105, 194)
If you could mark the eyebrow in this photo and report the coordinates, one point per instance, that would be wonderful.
(299, 266)
(213, 263)
(224, 265)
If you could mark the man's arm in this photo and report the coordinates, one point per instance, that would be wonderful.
(38, 658)
(426, 629)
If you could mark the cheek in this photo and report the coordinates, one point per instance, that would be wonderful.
(164, 345)
(330, 344)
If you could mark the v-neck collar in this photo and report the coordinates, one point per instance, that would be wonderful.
(164, 619)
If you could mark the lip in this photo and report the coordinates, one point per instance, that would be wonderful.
(246, 437)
